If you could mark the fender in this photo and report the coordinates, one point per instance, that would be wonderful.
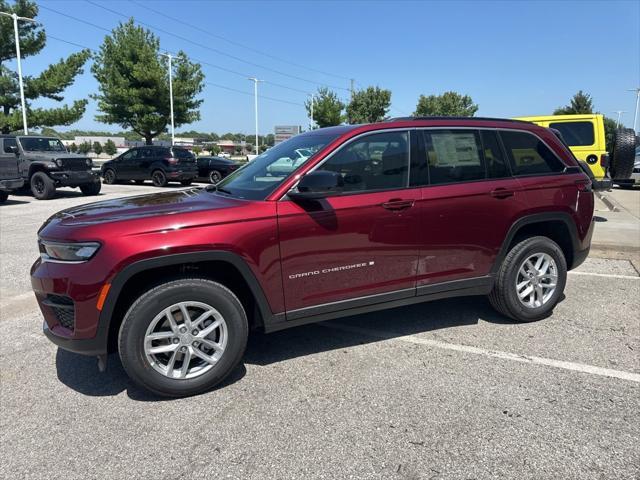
(539, 218)
(130, 270)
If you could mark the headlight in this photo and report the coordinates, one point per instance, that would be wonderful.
(68, 252)
(58, 162)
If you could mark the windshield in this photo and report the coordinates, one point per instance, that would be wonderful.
(258, 178)
(39, 144)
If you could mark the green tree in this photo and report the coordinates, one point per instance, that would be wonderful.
(327, 108)
(97, 148)
(110, 148)
(197, 150)
(580, 103)
(73, 148)
(449, 104)
(49, 84)
(84, 148)
(134, 84)
(213, 149)
(610, 127)
(369, 106)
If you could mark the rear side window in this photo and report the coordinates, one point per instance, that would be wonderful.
(8, 143)
(576, 134)
(454, 156)
(182, 153)
(529, 155)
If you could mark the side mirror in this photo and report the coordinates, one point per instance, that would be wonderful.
(318, 184)
(14, 149)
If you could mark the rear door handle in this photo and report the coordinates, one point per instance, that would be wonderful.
(397, 204)
(501, 193)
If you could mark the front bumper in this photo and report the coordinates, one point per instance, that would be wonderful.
(11, 184)
(73, 179)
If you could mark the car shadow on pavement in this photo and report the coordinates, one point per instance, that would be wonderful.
(396, 322)
(81, 374)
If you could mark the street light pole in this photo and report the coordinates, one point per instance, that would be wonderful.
(255, 100)
(170, 57)
(619, 112)
(17, 38)
(635, 117)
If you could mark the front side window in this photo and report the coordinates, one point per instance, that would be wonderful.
(130, 155)
(258, 178)
(376, 162)
(454, 156)
(575, 134)
(529, 155)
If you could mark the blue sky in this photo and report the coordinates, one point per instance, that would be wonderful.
(513, 58)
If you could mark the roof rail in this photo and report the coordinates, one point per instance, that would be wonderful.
(399, 119)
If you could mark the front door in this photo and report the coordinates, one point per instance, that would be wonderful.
(362, 242)
(126, 163)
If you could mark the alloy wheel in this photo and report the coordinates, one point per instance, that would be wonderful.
(185, 340)
(536, 280)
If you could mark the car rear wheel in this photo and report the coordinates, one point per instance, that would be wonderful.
(183, 337)
(91, 188)
(158, 178)
(109, 176)
(3, 196)
(42, 187)
(215, 176)
(530, 281)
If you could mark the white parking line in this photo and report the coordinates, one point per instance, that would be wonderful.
(606, 275)
(576, 367)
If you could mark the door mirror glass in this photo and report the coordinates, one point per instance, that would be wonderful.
(318, 184)
(14, 149)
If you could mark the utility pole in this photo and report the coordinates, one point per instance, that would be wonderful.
(352, 88)
(635, 117)
(170, 57)
(313, 98)
(255, 99)
(619, 112)
(19, 62)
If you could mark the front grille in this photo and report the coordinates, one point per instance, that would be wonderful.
(63, 309)
(75, 164)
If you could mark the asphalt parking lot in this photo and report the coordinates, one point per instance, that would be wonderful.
(443, 390)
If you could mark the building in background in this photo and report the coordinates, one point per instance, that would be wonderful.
(285, 132)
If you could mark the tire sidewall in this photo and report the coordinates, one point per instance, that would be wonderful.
(143, 311)
(49, 186)
(163, 183)
(213, 174)
(540, 246)
(3, 196)
(109, 176)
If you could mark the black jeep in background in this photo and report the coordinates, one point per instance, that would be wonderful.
(10, 178)
(45, 164)
(159, 164)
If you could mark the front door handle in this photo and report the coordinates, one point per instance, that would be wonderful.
(398, 204)
(501, 193)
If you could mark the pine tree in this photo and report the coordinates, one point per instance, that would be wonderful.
(49, 84)
(580, 103)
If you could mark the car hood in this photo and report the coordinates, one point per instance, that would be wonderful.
(152, 205)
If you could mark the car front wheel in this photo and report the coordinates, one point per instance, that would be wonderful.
(3, 196)
(215, 176)
(91, 188)
(42, 187)
(183, 337)
(530, 281)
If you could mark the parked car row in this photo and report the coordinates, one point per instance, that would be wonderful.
(162, 165)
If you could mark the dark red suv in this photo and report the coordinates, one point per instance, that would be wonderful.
(375, 216)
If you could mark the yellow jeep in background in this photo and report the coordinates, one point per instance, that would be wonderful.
(585, 136)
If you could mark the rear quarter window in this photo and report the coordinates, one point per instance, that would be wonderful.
(529, 155)
(576, 134)
(182, 153)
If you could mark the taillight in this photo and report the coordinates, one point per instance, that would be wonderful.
(171, 160)
(604, 160)
(584, 185)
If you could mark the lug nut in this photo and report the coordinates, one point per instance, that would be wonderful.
(175, 340)
(183, 330)
(183, 349)
(196, 344)
(195, 332)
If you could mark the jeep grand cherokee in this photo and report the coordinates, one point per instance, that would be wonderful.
(377, 216)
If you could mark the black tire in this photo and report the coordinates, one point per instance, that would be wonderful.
(3, 196)
(215, 176)
(158, 178)
(186, 183)
(504, 296)
(623, 154)
(42, 187)
(150, 304)
(109, 176)
(91, 188)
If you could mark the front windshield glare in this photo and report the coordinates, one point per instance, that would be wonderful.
(257, 179)
(38, 144)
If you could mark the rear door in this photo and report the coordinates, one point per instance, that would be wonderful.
(468, 206)
(360, 244)
(8, 159)
(142, 165)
